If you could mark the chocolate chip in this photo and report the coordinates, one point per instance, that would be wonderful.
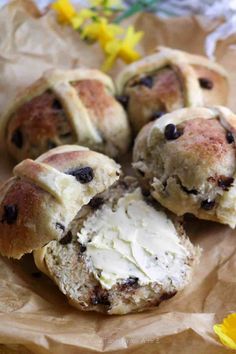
(225, 182)
(66, 239)
(167, 296)
(65, 136)
(229, 137)
(123, 184)
(36, 275)
(211, 179)
(100, 297)
(131, 281)
(146, 81)
(96, 202)
(124, 100)
(141, 172)
(51, 144)
(205, 83)
(171, 132)
(207, 204)
(157, 115)
(83, 174)
(129, 284)
(145, 192)
(17, 138)
(60, 226)
(164, 183)
(10, 214)
(189, 191)
(56, 104)
(82, 248)
(94, 300)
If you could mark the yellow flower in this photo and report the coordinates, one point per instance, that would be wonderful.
(108, 7)
(123, 49)
(106, 3)
(78, 20)
(227, 331)
(65, 10)
(101, 31)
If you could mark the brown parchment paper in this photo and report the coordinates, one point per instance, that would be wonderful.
(34, 315)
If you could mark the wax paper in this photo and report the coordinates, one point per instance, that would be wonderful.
(34, 316)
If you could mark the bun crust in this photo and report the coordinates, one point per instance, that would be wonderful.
(66, 107)
(194, 172)
(167, 80)
(70, 265)
(38, 204)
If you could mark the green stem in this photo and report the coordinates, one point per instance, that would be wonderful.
(112, 9)
(137, 7)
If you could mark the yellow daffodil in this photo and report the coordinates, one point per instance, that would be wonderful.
(65, 10)
(227, 331)
(101, 31)
(123, 49)
(97, 28)
(127, 52)
(78, 20)
(106, 3)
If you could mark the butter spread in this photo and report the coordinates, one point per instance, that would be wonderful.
(133, 240)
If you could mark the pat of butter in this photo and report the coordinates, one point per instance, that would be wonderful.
(135, 240)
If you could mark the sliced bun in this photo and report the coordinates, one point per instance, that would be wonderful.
(122, 254)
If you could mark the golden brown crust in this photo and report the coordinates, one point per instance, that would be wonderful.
(30, 134)
(38, 204)
(165, 95)
(219, 93)
(19, 236)
(179, 79)
(65, 107)
(94, 97)
(196, 172)
(205, 138)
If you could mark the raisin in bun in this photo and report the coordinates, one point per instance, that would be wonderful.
(39, 202)
(187, 161)
(122, 254)
(66, 107)
(168, 80)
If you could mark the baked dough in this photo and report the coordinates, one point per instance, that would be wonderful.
(186, 159)
(122, 254)
(66, 107)
(107, 247)
(39, 202)
(168, 80)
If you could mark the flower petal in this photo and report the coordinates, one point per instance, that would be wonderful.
(224, 338)
(226, 331)
(65, 10)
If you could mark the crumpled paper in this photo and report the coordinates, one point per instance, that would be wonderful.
(34, 316)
